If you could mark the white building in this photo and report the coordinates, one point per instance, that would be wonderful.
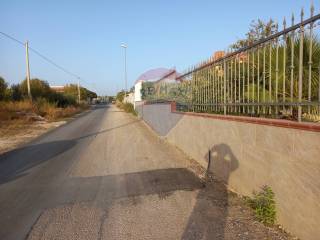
(129, 98)
(137, 91)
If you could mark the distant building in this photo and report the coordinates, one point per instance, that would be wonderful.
(137, 91)
(243, 57)
(220, 54)
(129, 98)
(59, 89)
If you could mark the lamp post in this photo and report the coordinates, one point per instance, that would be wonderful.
(124, 46)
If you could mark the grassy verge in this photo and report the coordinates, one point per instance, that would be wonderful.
(127, 107)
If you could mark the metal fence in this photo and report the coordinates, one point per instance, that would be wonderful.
(277, 77)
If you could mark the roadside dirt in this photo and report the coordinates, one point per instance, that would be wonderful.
(228, 212)
(13, 134)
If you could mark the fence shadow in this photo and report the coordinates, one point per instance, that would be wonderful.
(209, 216)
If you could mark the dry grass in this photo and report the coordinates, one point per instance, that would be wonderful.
(24, 120)
(27, 111)
(14, 110)
(60, 113)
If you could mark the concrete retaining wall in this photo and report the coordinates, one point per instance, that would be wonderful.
(247, 156)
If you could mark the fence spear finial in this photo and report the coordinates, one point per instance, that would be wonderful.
(292, 19)
(312, 9)
(284, 23)
(302, 14)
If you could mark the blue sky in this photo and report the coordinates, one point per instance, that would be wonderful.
(85, 36)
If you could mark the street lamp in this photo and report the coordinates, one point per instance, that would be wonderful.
(124, 46)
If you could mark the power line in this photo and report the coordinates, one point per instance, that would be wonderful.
(53, 63)
(12, 38)
(43, 57)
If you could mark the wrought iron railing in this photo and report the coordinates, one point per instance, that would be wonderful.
(277, 77)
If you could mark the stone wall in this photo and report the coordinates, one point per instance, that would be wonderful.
(249, 155)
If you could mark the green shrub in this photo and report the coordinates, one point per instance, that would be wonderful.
(39, 88)
(61, 100)
(120, 96)
(127, 107)
(3, 88)
(71, 91)
(16, 94)
(264, 205)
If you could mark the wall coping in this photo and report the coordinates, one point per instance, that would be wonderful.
(261, 121)
(254, 120)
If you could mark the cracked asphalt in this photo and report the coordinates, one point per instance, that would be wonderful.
(105, 175)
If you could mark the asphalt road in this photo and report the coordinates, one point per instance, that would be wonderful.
(104, 175)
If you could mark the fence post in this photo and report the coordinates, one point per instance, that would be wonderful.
(310, 58)
(300, 68)
(292, 64)
(224, 88)
(284, 66)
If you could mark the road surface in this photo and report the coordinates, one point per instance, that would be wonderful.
(102, 176)
(105, 175)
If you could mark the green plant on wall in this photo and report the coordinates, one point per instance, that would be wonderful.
(264, 205)
(173, 91)
(147, 91)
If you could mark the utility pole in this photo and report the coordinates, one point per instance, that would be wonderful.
(79, 96)
(28, 70)
(125, 66)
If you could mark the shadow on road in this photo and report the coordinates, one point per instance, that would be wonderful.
(209, 216)
(16, 163)
(162, 182)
